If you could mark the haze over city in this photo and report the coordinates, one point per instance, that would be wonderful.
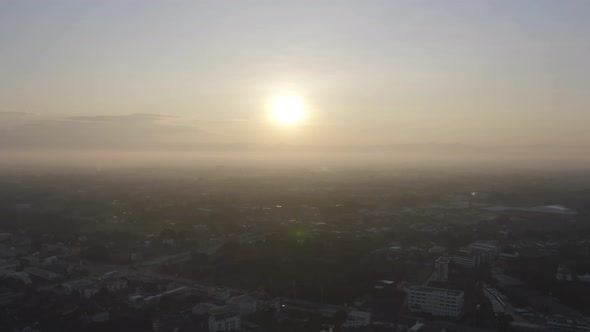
(294, 166)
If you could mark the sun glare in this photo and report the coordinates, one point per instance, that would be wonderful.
(287, 110)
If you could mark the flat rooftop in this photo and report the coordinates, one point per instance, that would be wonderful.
(483, 245)
(443, 259)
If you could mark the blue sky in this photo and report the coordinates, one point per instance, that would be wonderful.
(368, 72)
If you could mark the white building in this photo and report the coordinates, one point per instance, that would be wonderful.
(442, 266)
(563, 324)
(224, 321)
(357, 318)
(435, 301)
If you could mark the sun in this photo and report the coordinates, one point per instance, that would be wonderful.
(287, 109)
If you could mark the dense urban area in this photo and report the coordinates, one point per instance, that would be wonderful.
(252, 249)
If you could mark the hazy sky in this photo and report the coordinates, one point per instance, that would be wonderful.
(153, 74)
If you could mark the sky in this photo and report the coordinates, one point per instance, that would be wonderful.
(162, 75)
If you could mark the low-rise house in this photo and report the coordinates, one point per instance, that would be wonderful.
(50, 260)
(87, 288)
(44, 274)
(115, 284)
(9, 264)
(22, 277)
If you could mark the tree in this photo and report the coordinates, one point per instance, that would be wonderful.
(339, 318)
(504, 321)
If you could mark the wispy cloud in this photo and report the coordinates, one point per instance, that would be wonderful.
(125, 118)
(136, 131)
(13, 113)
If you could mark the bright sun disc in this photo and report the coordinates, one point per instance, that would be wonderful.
(287, 110)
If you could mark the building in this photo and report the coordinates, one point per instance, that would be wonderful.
(563, 324)
(487, 252)
(264, 302)
(254, 302)
(583, 277)
(167, 237)
(5, 237)
(8, 297)
(564, 273)
(115, 284)
(50, 260)
(22, 277)
(442, 266)
(200, 228)
(43, 274)
(224, 320)
(435, 301)
(219, 293)
(357, 319)
(87, 288)
(11, 264)
(246, 303)
(203, 308)
(465, 260)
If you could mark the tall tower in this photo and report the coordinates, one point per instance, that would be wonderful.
(442, 268)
